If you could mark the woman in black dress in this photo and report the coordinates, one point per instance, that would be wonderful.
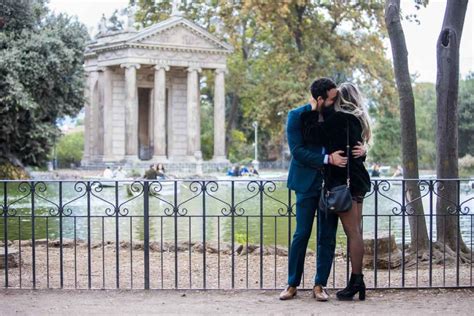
(329, 128)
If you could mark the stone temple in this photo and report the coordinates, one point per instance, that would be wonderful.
(142, 94)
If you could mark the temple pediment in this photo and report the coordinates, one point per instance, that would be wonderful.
(179, 33)
(180, 36)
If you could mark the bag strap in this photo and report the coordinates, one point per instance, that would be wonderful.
(348, 148)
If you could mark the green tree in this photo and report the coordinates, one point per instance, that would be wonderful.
(425, 111)
(425, 101)
(280, 47)
(386, 140)
(308, 39)
(69, 149)
(466, 116)
(207, 128)
(240, 151)
(41, 80)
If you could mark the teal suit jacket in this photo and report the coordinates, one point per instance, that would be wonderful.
(307, 161)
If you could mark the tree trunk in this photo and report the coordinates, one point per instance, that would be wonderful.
(419, 233)
(296, 30)
(231, 121)
(447, 85)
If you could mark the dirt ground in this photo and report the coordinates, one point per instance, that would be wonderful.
(140, 302)
(190, 270)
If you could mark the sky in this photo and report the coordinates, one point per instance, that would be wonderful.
(421, 38)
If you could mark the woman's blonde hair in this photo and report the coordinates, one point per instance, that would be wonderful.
(350, 101)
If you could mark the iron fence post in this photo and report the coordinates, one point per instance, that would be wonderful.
(146, 237)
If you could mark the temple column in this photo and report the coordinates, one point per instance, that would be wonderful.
(94, 115)
(131, 112)
(108, 115)
(99, 115)
(87, 117)
(192, 113)
(219, 116)
(159, 119)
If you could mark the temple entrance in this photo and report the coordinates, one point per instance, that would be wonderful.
(145, 125)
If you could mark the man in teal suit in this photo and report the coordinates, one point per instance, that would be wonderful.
(305, 178)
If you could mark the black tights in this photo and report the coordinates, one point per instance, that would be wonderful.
(351, 221)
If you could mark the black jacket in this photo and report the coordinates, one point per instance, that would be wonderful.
(332, 134)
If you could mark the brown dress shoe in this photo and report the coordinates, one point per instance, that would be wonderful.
(288, 293)
(320, 294)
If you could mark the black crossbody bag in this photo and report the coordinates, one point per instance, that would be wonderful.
(338, 199)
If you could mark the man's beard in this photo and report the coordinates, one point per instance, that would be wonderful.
(327, 110)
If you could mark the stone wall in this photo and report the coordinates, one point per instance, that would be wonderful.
(176, 168)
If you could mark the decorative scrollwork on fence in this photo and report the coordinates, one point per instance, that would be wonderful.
(213, 186)
(466, 209)
(41, 187)
(450, 193)
(137, 188)
(79, 187)
(25, 188)
(195, 187)
(441, 186)
(154, 190)
(270, 187)
(252, 186)
(97, 187)
(423, 186)
(385, 186)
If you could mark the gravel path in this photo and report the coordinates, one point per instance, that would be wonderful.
(139, 302)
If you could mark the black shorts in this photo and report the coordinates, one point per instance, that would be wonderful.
(357, 195)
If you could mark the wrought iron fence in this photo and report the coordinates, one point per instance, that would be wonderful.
(218, 234)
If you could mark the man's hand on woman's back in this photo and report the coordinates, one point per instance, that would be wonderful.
(336, 159)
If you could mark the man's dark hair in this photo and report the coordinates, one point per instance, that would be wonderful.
(320, 88)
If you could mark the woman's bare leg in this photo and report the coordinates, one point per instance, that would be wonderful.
(351, 221)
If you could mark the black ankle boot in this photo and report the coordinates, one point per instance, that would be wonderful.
(356, 284)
